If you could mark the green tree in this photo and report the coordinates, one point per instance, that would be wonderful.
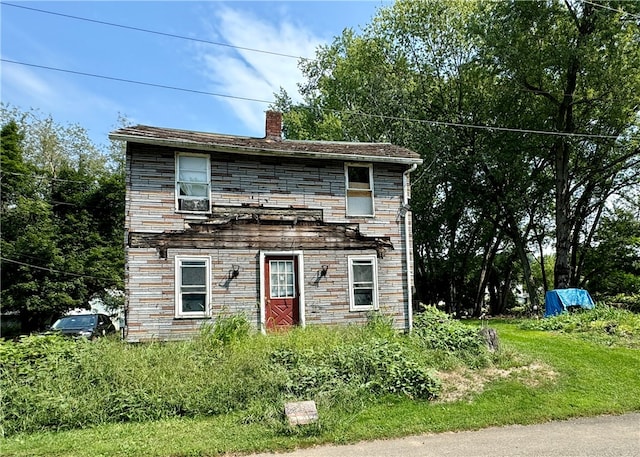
(578, 63)
(62, 220)
(14, 171)
(436, 76)
(612, 266)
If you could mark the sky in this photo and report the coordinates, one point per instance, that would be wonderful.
(39, 39)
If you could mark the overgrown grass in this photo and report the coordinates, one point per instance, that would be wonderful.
(603, 324)
(584, 378)
(52, 383)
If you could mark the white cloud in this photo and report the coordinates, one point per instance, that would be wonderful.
(68, 102)
(255, 75)
(23, 80)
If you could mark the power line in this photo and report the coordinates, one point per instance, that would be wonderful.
(356, 113)
(42, 177)
(156, 32)
(131, 81)
(605, 7)
(52, 270)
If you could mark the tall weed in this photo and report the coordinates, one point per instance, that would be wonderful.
(52, 383)
(604, 324)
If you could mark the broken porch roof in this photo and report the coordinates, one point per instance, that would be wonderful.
(268, 146)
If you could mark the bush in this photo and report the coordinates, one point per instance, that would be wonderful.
(603, 323)
(622, 301)
(436, 330)
(226, 329)
(374, 367)
(53, 383)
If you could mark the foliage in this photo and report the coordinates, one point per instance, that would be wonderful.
(376, 366)
(62, 220)
(567, 378)
(612, 266)
(606, 324)
(226, 329)
(436, 77)
(52, 383)
(437, 330)
(622, 301)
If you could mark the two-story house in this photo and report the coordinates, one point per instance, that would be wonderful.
(286, 232)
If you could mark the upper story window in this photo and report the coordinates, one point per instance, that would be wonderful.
(363, 283)
(192, 286)
(193, 182)
(359, 184)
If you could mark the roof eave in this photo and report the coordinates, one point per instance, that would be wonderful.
(263, 151)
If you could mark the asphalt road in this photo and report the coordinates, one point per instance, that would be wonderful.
(604, 436)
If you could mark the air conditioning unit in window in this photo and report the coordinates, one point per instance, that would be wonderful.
(194, 205)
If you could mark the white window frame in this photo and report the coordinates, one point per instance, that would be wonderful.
(373, 260)
(350, 188)
(179, 313)
(179, 197)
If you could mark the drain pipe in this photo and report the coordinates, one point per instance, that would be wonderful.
(407, 243)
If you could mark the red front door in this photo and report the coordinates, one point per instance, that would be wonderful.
(281, 292)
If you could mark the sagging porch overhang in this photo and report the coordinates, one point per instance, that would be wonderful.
(260, 232)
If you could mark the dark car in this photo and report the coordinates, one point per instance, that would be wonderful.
(85, 325)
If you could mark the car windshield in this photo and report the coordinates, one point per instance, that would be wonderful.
(75, 322)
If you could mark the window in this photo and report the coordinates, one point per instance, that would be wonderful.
(363, 284)
(281, 279)
(193, 184)
(359, 183)
(192, 286)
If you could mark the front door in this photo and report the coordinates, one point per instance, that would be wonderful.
(281, 292)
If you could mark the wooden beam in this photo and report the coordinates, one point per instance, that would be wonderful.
(233, 235)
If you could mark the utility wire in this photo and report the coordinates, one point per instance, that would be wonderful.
(356, 113)
(156, 32)
(162, 86)
(52, 270)
(44, 177)
(605, 7)
(131, 81)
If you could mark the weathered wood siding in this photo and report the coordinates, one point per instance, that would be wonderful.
(237, 180)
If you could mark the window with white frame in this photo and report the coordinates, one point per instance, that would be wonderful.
(363, 283)
(193, 182)
(192, 286)
(359, 183)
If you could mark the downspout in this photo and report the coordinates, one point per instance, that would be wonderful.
(407, 244)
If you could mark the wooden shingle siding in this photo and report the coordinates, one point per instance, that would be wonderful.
(272, 185)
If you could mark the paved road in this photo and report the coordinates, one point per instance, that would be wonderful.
(604, 436)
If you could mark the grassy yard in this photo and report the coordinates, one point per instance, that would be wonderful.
(552, 376)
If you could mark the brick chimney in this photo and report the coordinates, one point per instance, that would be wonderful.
(273, 129)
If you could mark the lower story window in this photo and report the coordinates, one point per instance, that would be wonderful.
(363, 283)
(192, 286)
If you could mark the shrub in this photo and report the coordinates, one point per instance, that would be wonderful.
(226, 329)
(603, 323)
(374, 367)
(53, 383)
(436, 330)
(622, 301)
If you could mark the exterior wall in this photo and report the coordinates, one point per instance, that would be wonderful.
(237, 180)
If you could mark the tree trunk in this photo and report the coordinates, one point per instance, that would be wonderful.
(487, 260)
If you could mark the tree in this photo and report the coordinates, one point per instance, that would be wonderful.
(579, 61)
(14, 172)
(62, 220)
(436, 76)
(612, 267)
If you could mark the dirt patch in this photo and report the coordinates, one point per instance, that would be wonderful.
(464, 383)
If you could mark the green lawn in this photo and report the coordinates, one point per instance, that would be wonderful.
(588, 379)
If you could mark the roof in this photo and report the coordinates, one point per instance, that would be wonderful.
(268, 146)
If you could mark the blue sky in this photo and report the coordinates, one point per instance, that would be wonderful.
(294, 28)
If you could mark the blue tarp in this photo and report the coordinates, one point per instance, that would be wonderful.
(557, 301)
